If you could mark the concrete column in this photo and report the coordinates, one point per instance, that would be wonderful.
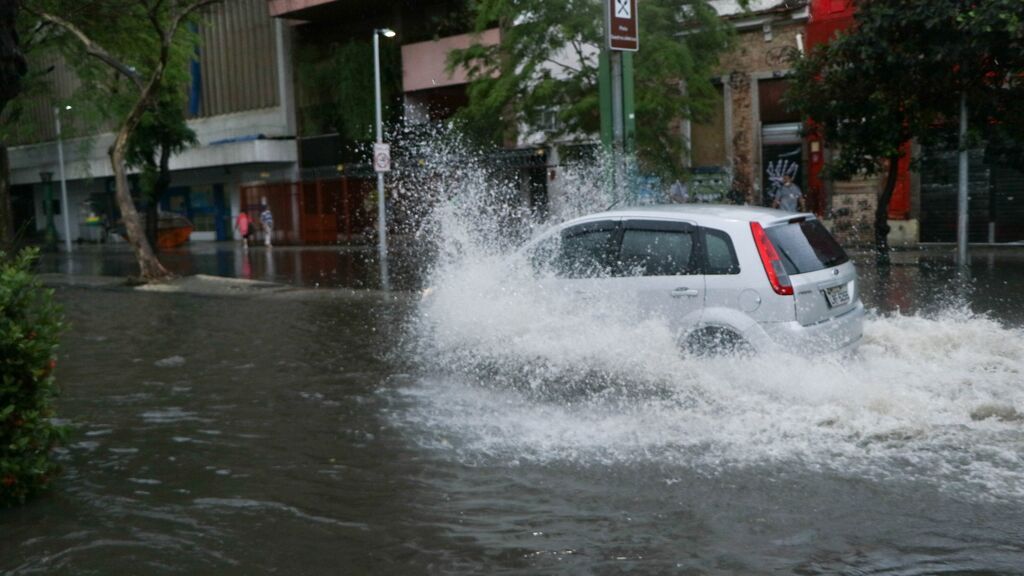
(286, 86)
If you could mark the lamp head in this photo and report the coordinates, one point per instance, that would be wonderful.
(387, 32)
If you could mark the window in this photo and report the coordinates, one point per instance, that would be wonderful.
(586, 250)
(806, 246)
(656, 249)
(720, 253)
(707, 135)
(544, 254)
(771, 96)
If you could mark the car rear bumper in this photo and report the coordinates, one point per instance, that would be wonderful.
(839, 334)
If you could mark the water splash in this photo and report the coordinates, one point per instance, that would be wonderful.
(513, 368)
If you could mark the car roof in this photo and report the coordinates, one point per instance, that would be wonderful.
(699, 213)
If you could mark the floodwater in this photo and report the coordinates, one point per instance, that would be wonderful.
(350, 432)
(341, 266)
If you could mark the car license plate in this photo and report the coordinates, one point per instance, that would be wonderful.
(837, 296)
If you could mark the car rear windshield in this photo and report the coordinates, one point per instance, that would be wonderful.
(806, 246)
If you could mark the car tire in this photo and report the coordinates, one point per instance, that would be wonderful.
(714, 341)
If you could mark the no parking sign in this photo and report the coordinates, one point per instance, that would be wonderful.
(382, 158)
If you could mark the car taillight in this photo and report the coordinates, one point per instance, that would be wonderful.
(777, 275)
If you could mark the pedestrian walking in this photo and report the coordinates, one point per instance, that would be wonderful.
(267, 219)
(788, 197)
(244, 226)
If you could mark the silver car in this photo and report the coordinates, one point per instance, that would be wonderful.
(725, 278)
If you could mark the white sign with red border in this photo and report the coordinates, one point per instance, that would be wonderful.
(382, 158)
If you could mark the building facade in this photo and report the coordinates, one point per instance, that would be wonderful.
(241, 109)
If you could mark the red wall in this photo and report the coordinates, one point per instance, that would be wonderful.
(827, 18)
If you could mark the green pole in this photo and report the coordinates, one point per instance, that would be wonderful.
(604, 84)
(50, 237)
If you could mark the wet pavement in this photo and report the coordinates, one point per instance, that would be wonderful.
(317, 428)
(342, 266)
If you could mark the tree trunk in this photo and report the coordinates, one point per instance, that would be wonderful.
(150, 268)
(6, 217)
(882, 211)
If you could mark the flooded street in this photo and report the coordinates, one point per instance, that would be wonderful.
(327, 432)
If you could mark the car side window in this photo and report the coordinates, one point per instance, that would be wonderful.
(544, 254)
(721, 255)
(656, 250)
(586, 250)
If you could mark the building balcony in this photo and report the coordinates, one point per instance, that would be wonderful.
(290, 8)
(424, 64)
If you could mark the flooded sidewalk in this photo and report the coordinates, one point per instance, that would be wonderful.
(342, 266)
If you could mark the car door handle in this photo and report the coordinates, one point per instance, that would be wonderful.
(680, 292)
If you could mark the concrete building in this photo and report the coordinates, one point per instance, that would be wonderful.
(418, 88)
(755, 139)
(241, 110)
(752, 138)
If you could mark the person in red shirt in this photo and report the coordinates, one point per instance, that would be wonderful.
(244, 225)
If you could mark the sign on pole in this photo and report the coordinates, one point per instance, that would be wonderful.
(622, 26)
(382, 157)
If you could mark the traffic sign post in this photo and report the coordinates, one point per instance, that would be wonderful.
(616, 84)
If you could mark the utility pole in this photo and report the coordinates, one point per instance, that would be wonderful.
(381, 161)
(962, 204)
(63, 181)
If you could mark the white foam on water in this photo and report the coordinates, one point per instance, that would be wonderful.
(513, 369)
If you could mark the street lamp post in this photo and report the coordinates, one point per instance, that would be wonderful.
(63, 180)
(382, 232)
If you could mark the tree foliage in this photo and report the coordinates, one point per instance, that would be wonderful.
(163, 132)
(547, 62)
(899, 74)
(30, 324)
(12, 61)
(137, 40)
(12, 68)
(339, 80)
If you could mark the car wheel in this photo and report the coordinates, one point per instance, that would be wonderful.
(715, 341)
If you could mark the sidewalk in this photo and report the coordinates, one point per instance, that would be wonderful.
(352, 267)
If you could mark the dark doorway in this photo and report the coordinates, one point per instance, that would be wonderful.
(23, 210)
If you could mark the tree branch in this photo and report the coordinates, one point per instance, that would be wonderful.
(187, 11)
(563, 65)
(153, 13)
(92, 48)
(577, 46)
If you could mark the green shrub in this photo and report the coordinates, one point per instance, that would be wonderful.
(30, 324)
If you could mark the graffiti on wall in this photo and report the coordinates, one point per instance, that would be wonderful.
(780, 161)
